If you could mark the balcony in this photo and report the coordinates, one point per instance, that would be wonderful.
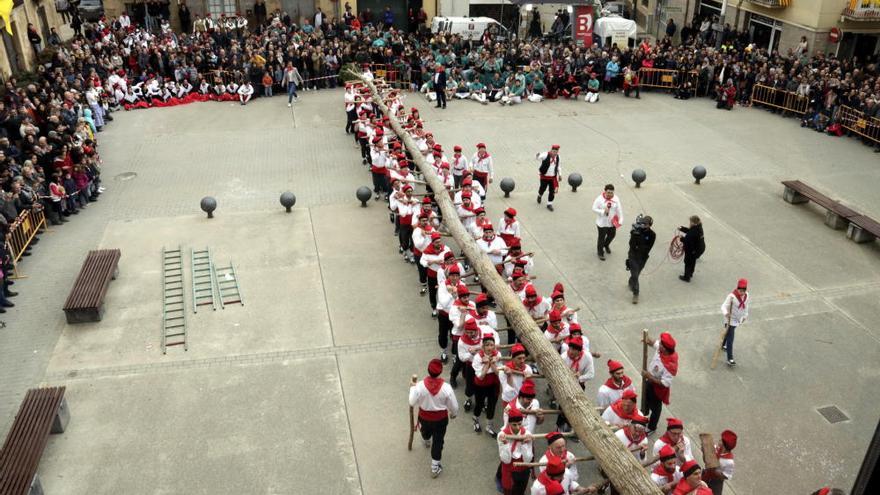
(862, 10)
(772, 4)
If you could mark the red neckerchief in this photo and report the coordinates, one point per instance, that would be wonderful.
(666, 439)
(575, 365)
(550, 456)
(468, 341)
(661, 470)
(509, 431)
(612, 385)
(726, 455)
(670, 362)
(483, 155)
(552, 330)
(632, 441)
(481, 221)
(741, 299)
(545, 478)
(532, 305)
(433, 384)
(617, 407)
(512, 365)
(508, 220)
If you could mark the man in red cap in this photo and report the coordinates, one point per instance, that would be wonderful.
(514, 374)
(407, 206)
(581, 365)
(724, 451)
(550, 478)
(465, 210)
(422, 237)
(735, 310)
(514, 479)
(516, 258)
(675, 438)
(557, 329)
(487, 320)
(493, 246)
(621, 412)
(666, 473)
(661, 370)
(612, 390)
(691, 484)
(447, 292)
(467, 345)
(527, 404)
(633, 437)
(431, 259)
(486, 383)
(549, 172)
(609, 217)
(557, 302)
(481, 164)
(436, 402)
(459, 165)
(557, 450)
(458, 312)
(509, 227)
(378, 170)
(524, 290)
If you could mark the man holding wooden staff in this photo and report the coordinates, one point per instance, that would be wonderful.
(514, 479)
(715, 477)
(661, 370)
(436, 402)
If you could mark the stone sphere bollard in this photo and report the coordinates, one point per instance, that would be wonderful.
(575, 180)
(363, 195)
(287, 200)
(507, 185)
(209, 204)
(699, 173)
(639, 176)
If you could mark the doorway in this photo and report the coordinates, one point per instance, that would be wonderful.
(301, 9)
(764, 32)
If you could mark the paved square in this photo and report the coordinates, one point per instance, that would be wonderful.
(302, 389)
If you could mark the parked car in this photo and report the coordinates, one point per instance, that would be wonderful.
(91, 10)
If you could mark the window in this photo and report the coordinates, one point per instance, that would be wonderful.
(219, 7)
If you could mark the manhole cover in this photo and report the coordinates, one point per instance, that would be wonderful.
(126, 176)
(832, 414)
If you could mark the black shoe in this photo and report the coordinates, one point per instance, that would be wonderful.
(10, 282)
(550, 207)
(2, 310)
(468, 405)
(683, 278)
(453, 382)
(607, 249)
(539, 199)
(9, 293)
(7, 304)
(602, 256)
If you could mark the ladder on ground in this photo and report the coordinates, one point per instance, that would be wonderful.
(227, 286)
(173, 300)
(203, 279)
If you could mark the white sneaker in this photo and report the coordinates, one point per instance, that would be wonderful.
(289, 105)
(426, 442)
(436, 470)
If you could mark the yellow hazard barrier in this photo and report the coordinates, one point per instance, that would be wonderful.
(781, 99)
(855, 121)
(21, 232)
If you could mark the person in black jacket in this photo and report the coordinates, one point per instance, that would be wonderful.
(694, 245)
(440, 86)
(641, 240)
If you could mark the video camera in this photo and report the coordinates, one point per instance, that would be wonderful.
(641, 224)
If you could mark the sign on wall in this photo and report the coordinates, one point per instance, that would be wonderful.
(582, 26)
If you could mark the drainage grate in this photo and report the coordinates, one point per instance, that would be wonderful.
(832, 414)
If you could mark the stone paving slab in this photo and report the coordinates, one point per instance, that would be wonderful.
(240, 429)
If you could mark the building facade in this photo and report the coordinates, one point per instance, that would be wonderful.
(18, 55)
(845, 28)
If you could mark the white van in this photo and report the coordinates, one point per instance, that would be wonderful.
(469, 28)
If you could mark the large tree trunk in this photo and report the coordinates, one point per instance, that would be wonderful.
(625, 472)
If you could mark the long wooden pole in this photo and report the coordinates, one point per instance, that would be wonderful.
(625, 472)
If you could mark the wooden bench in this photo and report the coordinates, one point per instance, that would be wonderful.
(86, 299)
(863, 229)
(43, 411)
(836, 215)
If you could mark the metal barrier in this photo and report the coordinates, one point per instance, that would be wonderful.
(665, 78)
(21, 232)
(855, 121)
(392, 75)
(778, 98)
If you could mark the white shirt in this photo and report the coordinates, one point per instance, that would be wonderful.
(554, 167)
(607, 395)
(656, 368)
(522, 452)
(483, 164)
(511, 383)
(568, 485)
(511, 229)
(737, 315)
(621, 435)
(495, 249)
(603, 219)
(688, 454)
(571, 469)
(583, 368)
(444, 400)
(529, 420)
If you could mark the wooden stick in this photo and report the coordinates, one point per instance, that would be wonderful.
(710, 460)
(542, 411)
(412, 422)
(644, 369)
(533, 436)
(542, 464)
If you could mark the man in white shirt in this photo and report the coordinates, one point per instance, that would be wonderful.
(735, 310)
(436, 402)
(609, 216)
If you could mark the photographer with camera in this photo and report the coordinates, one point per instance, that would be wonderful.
(641, 240)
